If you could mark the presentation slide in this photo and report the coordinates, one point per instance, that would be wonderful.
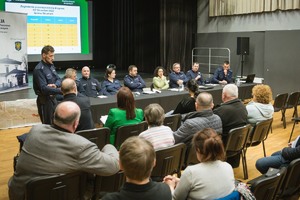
(56, 25)
(64, 24)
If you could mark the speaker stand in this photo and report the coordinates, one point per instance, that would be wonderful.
(242, 65)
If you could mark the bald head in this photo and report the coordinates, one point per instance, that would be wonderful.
(204, 101)
(67, 115)
(85, 72)
(230, 92)
(68, 86)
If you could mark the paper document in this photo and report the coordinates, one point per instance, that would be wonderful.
(103, 118)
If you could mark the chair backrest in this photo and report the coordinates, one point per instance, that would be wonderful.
(124, 132)
(293, 100)
(291, 183)
(104, 184)
(280, 102)
(169, 160)
(173, 121)
(260, 131)
(237, 139)
(57, 187)
(190, 156)
(266, 187)
(99, 136)
(235, 195)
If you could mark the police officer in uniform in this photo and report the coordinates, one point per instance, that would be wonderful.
(46, 84)
(91, 86)
(195, 74)
(223, 74)
(177, 77)
(134, 81)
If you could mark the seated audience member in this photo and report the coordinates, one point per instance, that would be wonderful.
(187, 104)
(72, 74)
(198, 120)
(137, 159)
(110, 85)
(177, 78)
(159, 135)
(125, 114)
(233, 114)
(69, 90)
(194, 73)
(260, 108)
(134, 81)
(280, 158)
(212, 178)
(160, 82)
(91, 86)
(223, 75)
(232, 111)
(55, 149)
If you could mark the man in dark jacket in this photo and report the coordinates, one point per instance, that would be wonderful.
(233, 114)
(69, 91)
(280, 158)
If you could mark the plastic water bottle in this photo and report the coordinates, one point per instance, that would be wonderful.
(237, 82)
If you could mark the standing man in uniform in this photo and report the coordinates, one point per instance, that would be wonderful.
(46, 84)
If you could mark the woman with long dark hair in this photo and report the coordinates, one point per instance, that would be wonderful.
(126, 113)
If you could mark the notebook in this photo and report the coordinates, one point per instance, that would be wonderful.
(250, 78)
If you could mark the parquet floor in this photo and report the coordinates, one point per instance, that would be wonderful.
(9, 147)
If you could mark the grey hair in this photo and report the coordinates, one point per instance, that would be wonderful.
(231, 90)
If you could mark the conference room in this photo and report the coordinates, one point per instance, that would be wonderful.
(257, 37)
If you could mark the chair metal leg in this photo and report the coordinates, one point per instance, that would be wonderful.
(244, 162)
(263, 143)
(292, 130)
(283, 118)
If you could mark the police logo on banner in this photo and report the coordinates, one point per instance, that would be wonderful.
(18, 45)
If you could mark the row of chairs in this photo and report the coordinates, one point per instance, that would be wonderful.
(284, 184)
(285, 101)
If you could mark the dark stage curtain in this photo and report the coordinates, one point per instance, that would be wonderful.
(147, 34)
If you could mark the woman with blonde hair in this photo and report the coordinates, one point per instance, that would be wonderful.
(260, 108)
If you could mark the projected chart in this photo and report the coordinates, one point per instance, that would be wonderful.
(55, 25)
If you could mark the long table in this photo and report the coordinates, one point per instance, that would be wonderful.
(167, 99)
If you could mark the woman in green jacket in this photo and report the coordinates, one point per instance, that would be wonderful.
(125, 114)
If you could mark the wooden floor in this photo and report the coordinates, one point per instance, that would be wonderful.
(9, 147)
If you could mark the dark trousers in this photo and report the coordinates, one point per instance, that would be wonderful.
(46, 106)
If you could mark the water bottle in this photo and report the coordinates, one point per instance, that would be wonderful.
(237, 82)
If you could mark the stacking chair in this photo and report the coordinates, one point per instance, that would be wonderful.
(236, 144)
(259, 134)
(104, 184)
(291, 182)
(173, 121)
(296, 120)
(57, 187)
(99, 136)
(124, 132)
(279, 105)
(292, 102)
(266, 187)
(169, 160)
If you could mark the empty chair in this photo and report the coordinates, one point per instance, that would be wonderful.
(266, 187)
(173, 121)
(124, 132)
(279, 105)
(291, 183)
(57, 187)
(260, 133)
(169, 160)
(296, 120)
(292, 102)
(99, 136)
(236, 144)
